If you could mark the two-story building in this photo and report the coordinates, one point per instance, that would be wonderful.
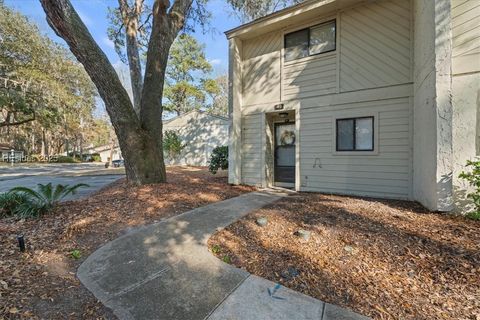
(371, 98)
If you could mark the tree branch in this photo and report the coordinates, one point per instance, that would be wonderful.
(16, 123)
(131, 17)
(179, 12)
(165, 28)
(161, 38)
(147, 19)
(138, 7)
(124, 11)
(66, 23)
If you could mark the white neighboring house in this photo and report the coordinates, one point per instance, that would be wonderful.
(6, 153)
(201, 133)
(373, 98)
(104, 152)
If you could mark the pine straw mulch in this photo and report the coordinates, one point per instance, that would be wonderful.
(41, 283)
(384, 259)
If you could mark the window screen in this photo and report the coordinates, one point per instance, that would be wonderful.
(355, 134)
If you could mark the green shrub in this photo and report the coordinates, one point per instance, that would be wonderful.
(218, 159)
(473, 215)
(473, 179)
(10, 202)
(96, 157)
(37, 202)
(66, 159)
(172, 144)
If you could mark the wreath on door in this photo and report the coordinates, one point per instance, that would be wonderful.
(287, 138)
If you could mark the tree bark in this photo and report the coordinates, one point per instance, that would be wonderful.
(165, 28)
(44, 144)
(131, 18)
(141, 145)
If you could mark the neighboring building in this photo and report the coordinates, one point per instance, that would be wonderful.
(104, 152)
(201, 133)
(370, 98)
(6, 153)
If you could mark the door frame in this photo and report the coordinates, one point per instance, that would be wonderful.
(295, 175)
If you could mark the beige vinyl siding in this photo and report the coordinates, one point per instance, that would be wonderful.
(252, 163)
(466, 35)
(374, 45)
(311, 76)
(261, 69)
(386, 174)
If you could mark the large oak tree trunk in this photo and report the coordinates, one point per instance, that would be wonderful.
(140, 141)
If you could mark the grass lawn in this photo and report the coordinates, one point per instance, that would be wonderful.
(41, 283)
(384, 259)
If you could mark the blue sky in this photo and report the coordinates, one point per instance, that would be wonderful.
(94, 13)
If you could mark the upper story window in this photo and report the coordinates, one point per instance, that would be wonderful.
(310, 41)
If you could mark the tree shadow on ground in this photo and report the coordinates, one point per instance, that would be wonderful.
(403, 260)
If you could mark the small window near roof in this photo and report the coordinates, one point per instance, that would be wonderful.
(310, 41)
(355, 134)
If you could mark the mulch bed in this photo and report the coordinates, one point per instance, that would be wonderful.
(384, 259)
(41, 283)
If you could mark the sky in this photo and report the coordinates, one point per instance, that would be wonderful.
(94, 15)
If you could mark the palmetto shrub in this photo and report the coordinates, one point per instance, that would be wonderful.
(44, 198)
(9, 202)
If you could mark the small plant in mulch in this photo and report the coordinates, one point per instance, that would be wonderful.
(473, 179)
(216, 249)
(76, 254)
(227, 259)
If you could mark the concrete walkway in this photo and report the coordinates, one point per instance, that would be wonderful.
(165, 271)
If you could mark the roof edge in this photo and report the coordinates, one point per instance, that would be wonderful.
(195, 111)
(231, 33)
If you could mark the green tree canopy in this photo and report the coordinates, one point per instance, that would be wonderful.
(188, 81)
(41, 83)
